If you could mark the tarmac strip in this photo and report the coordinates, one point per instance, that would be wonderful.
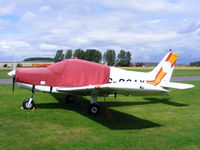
(5, 81)
(177, 78)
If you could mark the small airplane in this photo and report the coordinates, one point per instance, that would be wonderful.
(74, 77)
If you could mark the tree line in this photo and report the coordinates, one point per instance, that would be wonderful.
(196, 63)
(109, 57)
(38, 59)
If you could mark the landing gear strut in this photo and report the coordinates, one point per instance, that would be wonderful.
(93, 107)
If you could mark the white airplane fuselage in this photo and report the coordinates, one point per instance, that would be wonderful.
(125, 82)
(130, 83)
(118, 75)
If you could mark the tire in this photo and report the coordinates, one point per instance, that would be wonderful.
(26, 106)
(70, 99)
(93, 109)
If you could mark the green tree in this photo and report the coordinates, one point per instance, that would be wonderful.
(42, 59)
(128, 58)
(59, 56)
(197, 64)
(121, 58)
(124, 58)
(68, 54)
(93, 55)
(5, 65)
(79, 53)
(110, 57)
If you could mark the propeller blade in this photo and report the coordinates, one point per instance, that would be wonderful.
(13, 84)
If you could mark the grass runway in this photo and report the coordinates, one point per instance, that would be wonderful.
(133, 123)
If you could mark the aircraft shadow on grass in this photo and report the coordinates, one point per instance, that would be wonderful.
(110, 118)
(153, 100)
(150, 100)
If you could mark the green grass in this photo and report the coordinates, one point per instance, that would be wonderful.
(4, 73)
(139, 123)
(186, 73)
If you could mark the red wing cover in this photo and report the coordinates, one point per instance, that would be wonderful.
(69, 72)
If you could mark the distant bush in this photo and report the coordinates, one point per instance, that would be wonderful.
(197, 64)
(19, 65)
(5, 65)
(41, 59)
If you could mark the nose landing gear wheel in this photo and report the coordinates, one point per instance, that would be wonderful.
(93, 108)
(27, 104)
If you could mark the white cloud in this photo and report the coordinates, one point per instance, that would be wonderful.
(6, 10)
(44, 8)
(46, 46)
(146, 6)
(13, 44)
(28, 16)
(144, 27)
(191, 26)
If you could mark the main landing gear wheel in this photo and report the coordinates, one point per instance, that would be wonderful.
(93, 108)
(27, 104)
(70, 99)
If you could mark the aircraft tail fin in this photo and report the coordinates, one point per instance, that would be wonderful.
(163, 71)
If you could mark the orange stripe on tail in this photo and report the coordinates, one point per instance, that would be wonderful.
(172, 58)
(161, 74)
(165, 67)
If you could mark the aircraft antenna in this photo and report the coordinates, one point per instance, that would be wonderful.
(117, 62)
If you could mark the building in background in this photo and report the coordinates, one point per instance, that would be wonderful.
(25, 64)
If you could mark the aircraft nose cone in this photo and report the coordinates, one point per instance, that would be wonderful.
(12, 73)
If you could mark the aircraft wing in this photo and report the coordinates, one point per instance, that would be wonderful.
(111, 88)
(175, 85)
(86, 90)
(77, 90)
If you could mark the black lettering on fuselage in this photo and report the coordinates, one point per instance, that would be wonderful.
(121, 80)
(110, 80)
(125, 80)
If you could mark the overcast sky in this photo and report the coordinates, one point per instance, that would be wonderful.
(30, 28)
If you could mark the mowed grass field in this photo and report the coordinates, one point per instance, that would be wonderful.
(132, 123)
(180, 71)
(4, 73)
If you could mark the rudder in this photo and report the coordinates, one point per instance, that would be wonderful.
(163, 72)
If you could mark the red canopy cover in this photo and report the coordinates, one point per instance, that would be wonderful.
(69, 72)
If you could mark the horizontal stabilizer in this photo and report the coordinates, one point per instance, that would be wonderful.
(178, 85)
